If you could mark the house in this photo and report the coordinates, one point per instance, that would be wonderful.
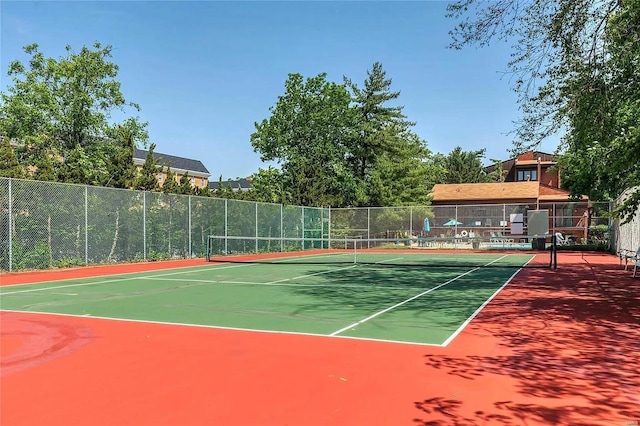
(530, 166)
(237, 185)
(531, 183)
(198, 173)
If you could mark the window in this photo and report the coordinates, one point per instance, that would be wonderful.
(525, 175)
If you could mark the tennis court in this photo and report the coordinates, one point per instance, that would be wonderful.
(397, 296)
(376, 337)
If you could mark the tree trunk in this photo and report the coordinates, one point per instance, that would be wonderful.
(115, 235)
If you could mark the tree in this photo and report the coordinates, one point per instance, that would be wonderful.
(308, 134)
(464, 166)
(378, 123)
(575, 64)
(389, 159)
(170, 185)
(9, 166)
(59, 110)
(185, 186)
(146, 179)
(267, 186)
(400, 175)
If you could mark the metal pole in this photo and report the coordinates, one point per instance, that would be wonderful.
(86, 226)
(144, 225)
(226, 222)
(456, 224)
(10, 225)
(256, 227)
(368, 227)
(190, 250)
(410, 222)
(303, 236)
(329, 230)
(281, 227)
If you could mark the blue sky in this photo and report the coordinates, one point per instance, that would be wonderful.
(204, 72)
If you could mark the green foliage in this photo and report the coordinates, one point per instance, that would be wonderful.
(464, 166)
(268, 186)
(9, 166)
(576, 69)
(59, 111)
(341, 145)
(185, 187)
(146, 178)
(308, 133)
(38, 257)
(170, 185)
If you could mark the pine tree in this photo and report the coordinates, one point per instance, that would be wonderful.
(146, 179)
(185, 185)
(170, 186)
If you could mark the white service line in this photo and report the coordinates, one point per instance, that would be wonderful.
(107, 281)
(412, 298)
(284, 284)
(310, 275)
(477, 311)
(217, 327)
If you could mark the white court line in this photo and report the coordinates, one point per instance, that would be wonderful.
(363, 286)
(219, 327)
(477, 311)
(190, 269)
(30, 290)
(411, 298)
(309, 275)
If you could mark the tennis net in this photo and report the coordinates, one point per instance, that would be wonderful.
(526, 251)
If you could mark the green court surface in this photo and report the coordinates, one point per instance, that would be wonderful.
(414, 304)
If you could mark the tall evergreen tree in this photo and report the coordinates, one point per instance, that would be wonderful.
(465, 167)
(170, 185)
(379, 124)
(185, 186)
(147, 180)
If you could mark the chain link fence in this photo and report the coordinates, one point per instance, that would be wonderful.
(50, 225)
(579, 222)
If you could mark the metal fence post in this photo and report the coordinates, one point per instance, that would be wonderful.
(256, 204)
(368, 227)
(144, 225)
(281, 227)
(190, 229)
(226, 211)
(86, 226)
(410, 222)
(10, 225)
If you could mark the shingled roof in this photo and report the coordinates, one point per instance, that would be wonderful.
(498, 191)
(237, 185)
(176, 163)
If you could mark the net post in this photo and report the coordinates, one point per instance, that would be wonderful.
(208, 250)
